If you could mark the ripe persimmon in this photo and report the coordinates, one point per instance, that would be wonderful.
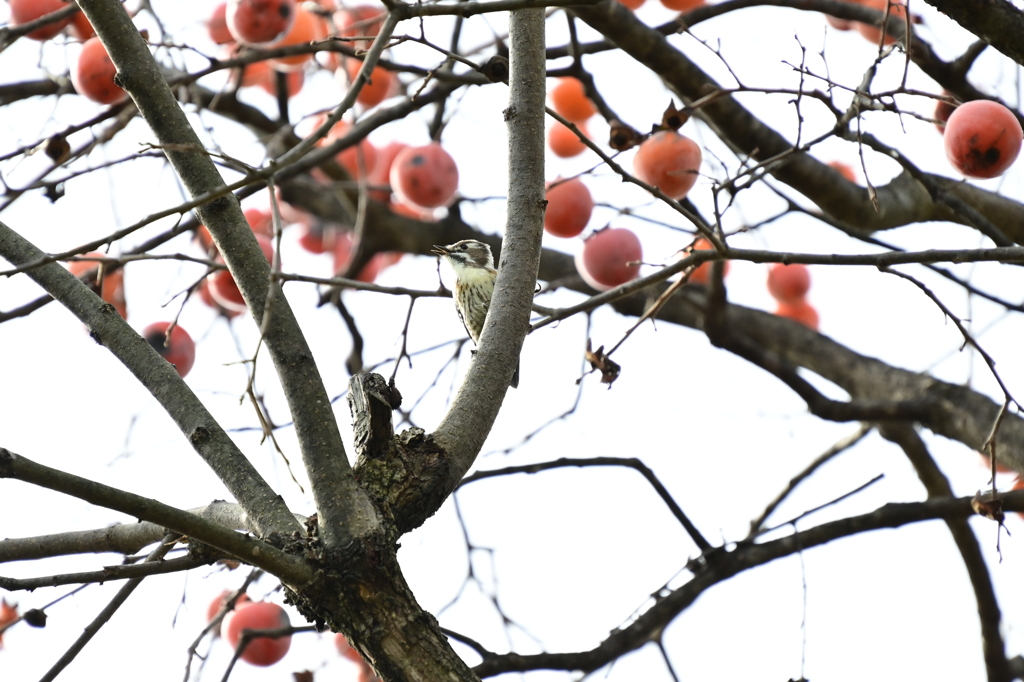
(93, 76)
(702, 275)
(80, 28)
(260, 221)
(218, 603)
(8, 614)
(669, 161)
(569, 208)
(844, 169)
(206, 297)
(349, 158)
(681, 5)
(262, 651)
(177, 348)
(874, 32)
(361, 20)
(223, 288)
(342, 249)
(801, 311)
(112, 288)
(306, 28)
(24, 11)
(788, 283)
(377, 89)
(259, 21)
(570, 100)
(943, 110)
(841, 24)
(345, 649)
(983, 139)
(217, 25)
(609, 257)
(425, 176)
(1001, 467)
(380, 176)
(316, 237)
(564, 142)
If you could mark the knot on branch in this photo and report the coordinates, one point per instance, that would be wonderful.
(371, 401)
(409, 481)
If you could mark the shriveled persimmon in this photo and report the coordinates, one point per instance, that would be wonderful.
(609, 257)
(569, 208)
(982, 138)
(669, 161)
(425, 176)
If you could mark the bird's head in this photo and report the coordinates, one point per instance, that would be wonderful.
(468, 253)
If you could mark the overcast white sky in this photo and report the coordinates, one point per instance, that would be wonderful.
(575, 554)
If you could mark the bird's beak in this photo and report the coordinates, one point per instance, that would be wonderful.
(440, 250)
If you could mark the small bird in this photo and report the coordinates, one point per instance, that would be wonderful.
(474, 284)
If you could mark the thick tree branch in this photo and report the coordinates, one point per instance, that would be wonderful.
(997, 22)
(698, 539)
(344, 509)
(288, 568)
(901, 202)
(267, 511)
(959, 412)
(992, 645)
(120, 538)
(107, 573)
(103, 616)
(465, 427)
(723, 565)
